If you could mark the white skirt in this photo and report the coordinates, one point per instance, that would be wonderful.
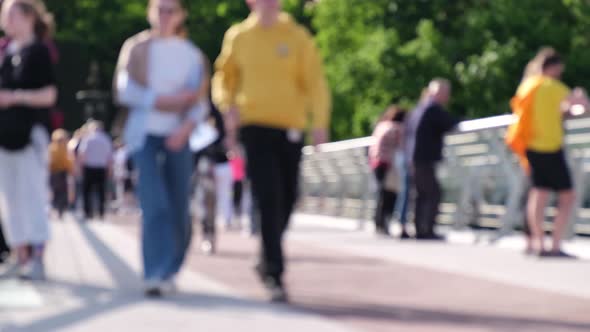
(24, 196)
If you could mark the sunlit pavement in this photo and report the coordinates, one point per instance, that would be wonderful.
(339, 278)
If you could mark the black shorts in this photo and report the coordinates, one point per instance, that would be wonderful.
(549, 170)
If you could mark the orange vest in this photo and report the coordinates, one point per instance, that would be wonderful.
(521, 132)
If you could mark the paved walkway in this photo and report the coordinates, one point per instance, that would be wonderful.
(340, 280)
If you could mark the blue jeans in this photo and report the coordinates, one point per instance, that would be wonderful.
(403, 203)
(405, 193)
(164, 190)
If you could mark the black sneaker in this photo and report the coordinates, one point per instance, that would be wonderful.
(405, 236)
(556, 254)
(382, 231)
(153, 293)
(431, 237)
(153, 289)
(276, 290)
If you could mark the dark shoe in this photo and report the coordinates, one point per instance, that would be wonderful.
(383, 231)
(529, 252)
(153, 289)
(153, 293)
(558, 254)
(276, 290)
(34, 270)
(405, 235)
(431, 237)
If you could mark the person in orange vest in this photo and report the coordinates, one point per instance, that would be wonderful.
(537, 137)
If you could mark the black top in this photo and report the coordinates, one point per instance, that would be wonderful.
(216, 151)
(427, 125)
(28, 69)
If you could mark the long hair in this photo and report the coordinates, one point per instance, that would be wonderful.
(44, 25)
(393, 113)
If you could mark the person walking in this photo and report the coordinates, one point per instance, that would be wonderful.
(538, 138)
(426, 128)
(27, 88)
(268, 80)
(61, 167)
(388, 138)
(214, 184)
(167, 98)
(96, 158)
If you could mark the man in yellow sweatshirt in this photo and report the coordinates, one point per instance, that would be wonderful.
(270, 84)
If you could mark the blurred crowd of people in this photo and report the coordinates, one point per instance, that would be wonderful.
(407, 150)
(231, 136)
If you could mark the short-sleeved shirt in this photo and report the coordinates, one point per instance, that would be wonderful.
(547, 117)
(28, 69)
(97, 149)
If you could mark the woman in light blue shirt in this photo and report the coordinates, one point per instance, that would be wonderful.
(162, 79)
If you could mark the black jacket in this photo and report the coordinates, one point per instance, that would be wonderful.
(426, 128)
(217, 151)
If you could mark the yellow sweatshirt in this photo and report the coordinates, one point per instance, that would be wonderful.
(274, 76)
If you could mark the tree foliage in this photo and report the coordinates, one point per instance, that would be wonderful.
(376, 51)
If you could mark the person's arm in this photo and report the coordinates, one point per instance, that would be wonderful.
(227, 74)
(199, 81)
(225, 85)
(39, 98)
(575, 104)
(45, 96)
(82, 152)
(445, 120)
(315, 86)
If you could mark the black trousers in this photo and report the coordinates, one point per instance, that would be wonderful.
(4, 249)
(385, 201)
(237, 197)
(59, 187)
(94, 181)
(273, 169)
(428, 197)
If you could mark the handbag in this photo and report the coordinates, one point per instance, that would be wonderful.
(392, 180)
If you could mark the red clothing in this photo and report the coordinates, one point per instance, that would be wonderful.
(238, 168)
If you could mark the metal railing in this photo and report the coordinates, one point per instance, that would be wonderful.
(483, 184)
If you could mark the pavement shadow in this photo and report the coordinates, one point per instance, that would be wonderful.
(97, 301)
(402, 314)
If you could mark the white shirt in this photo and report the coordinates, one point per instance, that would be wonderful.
(170, 64)
(120, 163)
(97, 148)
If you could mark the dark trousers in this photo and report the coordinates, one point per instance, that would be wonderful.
(59, 188)
(273, 169)
(94, 181)
(237, 197)
(4, 249)
(386, 200)
(428, 197)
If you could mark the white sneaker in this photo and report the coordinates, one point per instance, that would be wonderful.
(169, 287)
(34, 270)
(10, 270)
(158, 289)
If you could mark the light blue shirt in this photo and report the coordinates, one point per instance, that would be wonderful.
(141, 100)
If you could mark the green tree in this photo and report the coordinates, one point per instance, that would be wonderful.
(383, 51)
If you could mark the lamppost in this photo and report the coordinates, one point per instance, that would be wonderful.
(94, 101)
